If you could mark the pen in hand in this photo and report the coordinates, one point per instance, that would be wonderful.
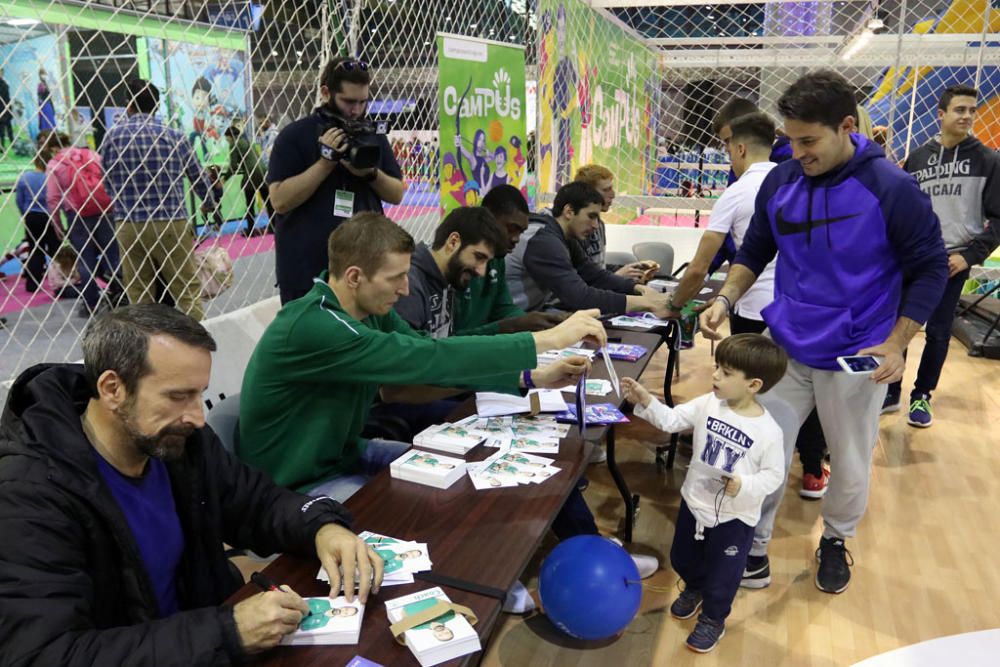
(263, 582)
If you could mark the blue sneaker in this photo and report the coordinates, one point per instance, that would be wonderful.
(706, 634)
(890, 404)
(920, 411)
(686, 605)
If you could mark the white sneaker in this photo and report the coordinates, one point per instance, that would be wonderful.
(647, 565)
(518, 600)
(599, 455)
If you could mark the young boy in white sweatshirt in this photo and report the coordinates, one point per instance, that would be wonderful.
(737, 460)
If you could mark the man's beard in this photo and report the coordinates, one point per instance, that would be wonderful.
(166, 445)
(457, 275)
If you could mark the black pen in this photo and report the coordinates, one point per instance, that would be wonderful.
(263, 582)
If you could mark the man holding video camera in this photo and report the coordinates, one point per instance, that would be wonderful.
(325, 168)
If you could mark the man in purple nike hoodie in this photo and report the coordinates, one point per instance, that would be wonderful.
(849, 229)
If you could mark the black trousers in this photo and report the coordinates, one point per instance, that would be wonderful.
(41, 232)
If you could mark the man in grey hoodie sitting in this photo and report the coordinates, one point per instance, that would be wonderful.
(541, 266)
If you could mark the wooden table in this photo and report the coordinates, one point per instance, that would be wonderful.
(376, 642)
(479, 541)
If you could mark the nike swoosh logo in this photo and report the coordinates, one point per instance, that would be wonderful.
(786, 227)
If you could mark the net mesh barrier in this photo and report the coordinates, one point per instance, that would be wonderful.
(634, 88)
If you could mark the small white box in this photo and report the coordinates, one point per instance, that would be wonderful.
(444, 638)
(427, 468)
(330, 622)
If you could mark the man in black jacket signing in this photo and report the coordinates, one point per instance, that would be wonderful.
(115, 502)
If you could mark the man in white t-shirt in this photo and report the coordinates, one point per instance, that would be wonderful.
(749, 144)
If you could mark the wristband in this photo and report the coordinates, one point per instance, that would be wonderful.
(729, 304)
(527, 380)
(328, 153)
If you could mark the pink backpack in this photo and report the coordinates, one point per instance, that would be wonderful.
(80, 172)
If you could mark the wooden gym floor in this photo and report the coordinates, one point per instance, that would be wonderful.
(926, 550)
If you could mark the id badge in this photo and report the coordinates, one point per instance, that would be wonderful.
(343, 204)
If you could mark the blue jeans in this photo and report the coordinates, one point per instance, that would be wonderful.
(377, 456)
(938, 335)
(93, 238)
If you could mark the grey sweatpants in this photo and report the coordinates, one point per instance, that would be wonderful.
(848, 407)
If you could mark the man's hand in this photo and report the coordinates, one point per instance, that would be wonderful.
(560, 373)
(956, 264)
(635, 393)
(892, 364)
(712, 317)
(656, 303)
(334, 138)
(342, 552)
(530, 322)
(581, 325)
(634, 271)
(264, 619)
(733, 485)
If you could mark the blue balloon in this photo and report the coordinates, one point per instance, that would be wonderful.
(590, 587)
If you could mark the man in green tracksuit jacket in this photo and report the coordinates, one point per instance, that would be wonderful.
(316, 370)
(485, 307)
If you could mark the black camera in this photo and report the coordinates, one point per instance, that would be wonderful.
(363, 150)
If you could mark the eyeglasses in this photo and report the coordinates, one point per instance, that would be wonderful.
(351, 65)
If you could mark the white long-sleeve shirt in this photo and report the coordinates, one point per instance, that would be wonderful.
(724, 442)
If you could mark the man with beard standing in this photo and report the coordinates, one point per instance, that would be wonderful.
(116, 502)
(313, 185)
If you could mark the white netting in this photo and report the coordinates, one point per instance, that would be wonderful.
(635, 88)
(899, 55)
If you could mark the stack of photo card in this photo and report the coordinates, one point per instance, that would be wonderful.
(509, 468)
(440, 638)
(427, 468)
(490, 404)
(455, 438)
(402, 558)
(556, 355)
(596, 415)
(623, 352)
(330, 621)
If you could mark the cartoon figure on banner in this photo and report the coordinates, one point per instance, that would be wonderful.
(500, 176)
(584, 96)
(208, 122)
(471, 190)
(453, 180)
(563, 100)
(46, 109)
(519, 175)
(546, 100)
(478, 158)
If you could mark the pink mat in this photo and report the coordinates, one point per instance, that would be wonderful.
(13, 296)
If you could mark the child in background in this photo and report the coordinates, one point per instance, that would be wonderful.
(40, 230)
(737, 460)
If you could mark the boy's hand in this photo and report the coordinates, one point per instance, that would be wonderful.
(733, 485)
(635, 393)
